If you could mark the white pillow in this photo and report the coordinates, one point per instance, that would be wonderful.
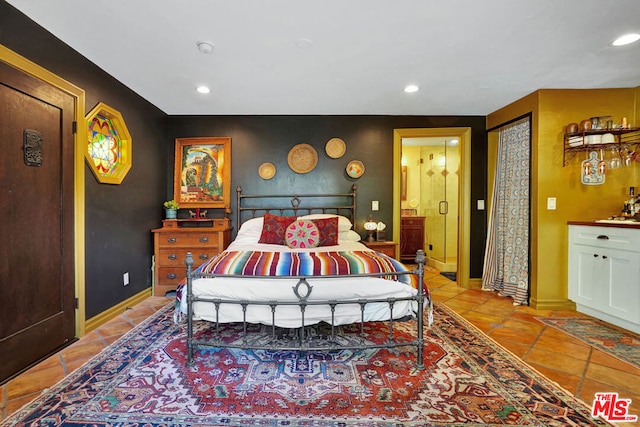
(251, 226)
(349, 236)
(343, 222)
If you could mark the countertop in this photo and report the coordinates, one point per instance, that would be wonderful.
(607, 223)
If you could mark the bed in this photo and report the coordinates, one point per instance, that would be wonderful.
(300, 268)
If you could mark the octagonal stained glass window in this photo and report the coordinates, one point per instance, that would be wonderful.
(109, 145)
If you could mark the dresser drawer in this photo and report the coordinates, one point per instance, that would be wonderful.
(417, 222)
(189, 239)
(174, 257)
(170, 275)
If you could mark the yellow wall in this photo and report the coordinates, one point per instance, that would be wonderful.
(411, 159)
(552, 110)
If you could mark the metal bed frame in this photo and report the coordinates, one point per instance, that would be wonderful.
(328, 340)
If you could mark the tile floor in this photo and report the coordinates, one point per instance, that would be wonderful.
(578, 367)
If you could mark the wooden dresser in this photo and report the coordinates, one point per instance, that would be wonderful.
(411, 236)
(203, 238)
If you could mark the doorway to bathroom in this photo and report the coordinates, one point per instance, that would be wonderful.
(431, 196)
(437, 178)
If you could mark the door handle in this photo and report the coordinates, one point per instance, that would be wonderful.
(443, 207)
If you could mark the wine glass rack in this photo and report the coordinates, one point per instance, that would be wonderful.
(577, 142)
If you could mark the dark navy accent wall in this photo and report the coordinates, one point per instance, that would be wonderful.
(258, 139)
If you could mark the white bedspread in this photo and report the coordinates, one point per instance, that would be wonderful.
(269, 289)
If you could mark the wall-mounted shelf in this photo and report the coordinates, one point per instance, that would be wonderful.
(579, 141)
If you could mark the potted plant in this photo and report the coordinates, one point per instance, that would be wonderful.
(171, 209)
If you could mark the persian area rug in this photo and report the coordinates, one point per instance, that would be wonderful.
(142, 380)
(619, 343)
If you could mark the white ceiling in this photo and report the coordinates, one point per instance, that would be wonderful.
(469, 57)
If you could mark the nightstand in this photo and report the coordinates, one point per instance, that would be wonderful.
(386, 247)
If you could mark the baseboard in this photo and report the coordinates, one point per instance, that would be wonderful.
(553, 304)
(116, 310)
(474, 284)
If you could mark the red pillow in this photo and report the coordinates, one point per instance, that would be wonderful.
(328, 228)
(274, 227)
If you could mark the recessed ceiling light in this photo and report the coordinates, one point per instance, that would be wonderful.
(303, 43)
(626, 39)
(203, 89)
(205, 47)
(411, 88)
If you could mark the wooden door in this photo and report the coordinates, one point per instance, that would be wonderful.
(37, 314)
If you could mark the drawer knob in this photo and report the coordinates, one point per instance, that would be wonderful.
(172, 240)
(171, 276)
(204, 256)
(604, 257)
(603, 237)
(595, 255)
(204, 239)
(173, 257)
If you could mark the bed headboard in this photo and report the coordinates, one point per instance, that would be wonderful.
(253, 205)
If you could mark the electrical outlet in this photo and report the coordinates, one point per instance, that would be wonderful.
(125, 279)
(374, 205)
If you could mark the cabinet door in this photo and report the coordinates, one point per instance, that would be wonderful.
(586, 275)
(623, 288)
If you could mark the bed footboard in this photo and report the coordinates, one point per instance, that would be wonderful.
(308, 337)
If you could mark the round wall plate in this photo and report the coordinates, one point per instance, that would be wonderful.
(302, 158)
(335, 148)
(355, 168)
(267, 170)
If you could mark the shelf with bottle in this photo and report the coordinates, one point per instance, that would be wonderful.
(627, 140)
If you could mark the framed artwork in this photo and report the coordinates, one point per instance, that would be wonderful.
(202, 174)
(108, 151)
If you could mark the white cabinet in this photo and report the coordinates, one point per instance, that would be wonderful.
(604, 273)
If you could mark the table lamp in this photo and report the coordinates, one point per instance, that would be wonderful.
(370, 225)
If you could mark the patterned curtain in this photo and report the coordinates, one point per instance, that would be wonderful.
(506, 262)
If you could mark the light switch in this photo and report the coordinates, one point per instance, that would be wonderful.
(374, 205)
(480, 205)
(551, 203)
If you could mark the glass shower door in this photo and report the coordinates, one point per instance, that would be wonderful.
(439, 172)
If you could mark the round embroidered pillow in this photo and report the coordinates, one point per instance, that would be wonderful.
(302, 234)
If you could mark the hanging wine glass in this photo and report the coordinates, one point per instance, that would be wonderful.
(602, 165)
(613, 158)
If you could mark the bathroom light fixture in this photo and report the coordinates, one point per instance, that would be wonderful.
(203, 89)
(411, 88)
(626, 39)
(205, 47)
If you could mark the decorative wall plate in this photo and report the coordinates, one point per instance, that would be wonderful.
(302, 158)
(335, 148)
(355, 168)
(267, 170)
